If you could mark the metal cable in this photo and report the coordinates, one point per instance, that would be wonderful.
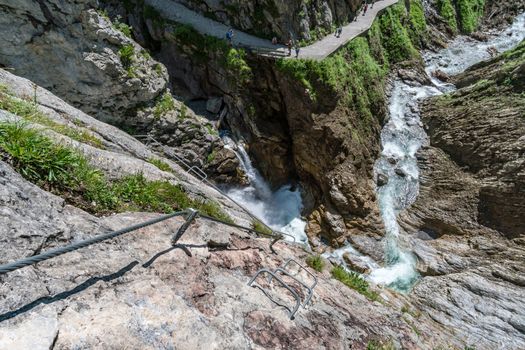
(274, 234)
(75, 246)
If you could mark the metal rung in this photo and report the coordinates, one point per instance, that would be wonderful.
(290, 289)
(310, 288)
(282, 269)
(192, 214)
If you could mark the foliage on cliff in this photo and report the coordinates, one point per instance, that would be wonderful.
(67, 172)
(464, 15)
(358, 70)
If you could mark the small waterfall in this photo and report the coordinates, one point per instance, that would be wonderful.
(402, 137)
(281, 210)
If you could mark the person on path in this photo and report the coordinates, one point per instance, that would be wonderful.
(365, 8)
(274, 41)
(372, 4)
(297, 49)
(339, 31)
(229, 36)
(289, 45)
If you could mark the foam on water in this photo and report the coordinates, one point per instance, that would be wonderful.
(281, 210)
(402, 137)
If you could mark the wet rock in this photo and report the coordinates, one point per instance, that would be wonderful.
(355, 264)
(413, 76)
(439, 74)
(480, 36)
(492, 51)
(382, 179)
(400, 172)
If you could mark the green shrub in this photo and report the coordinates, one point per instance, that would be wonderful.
(123, 27)
(315, 262)
(354, 281)
(236, 62)
(30, 112)
(448, 12)
(396, 41)
(470, 12)
(418, 24)
(160, 164)
(127, 55)
(165, 104)
(183, 110)
(66, 171)
(37, 158)
(211, 156)
(261, 228)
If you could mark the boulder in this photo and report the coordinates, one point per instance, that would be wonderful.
(213, 105)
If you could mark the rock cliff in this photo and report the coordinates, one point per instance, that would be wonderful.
(468, 219)
(299, 20)
(137, 291)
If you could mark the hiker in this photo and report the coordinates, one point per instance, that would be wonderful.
(339, 31)
(289, 45)
(372, 4)
(274, 41)
(229, 36)
(365, 8)
(297, 49)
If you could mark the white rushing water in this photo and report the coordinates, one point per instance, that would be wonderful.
(401, 138)
(281, 210)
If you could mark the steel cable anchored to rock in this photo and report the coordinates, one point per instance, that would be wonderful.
(192, 215)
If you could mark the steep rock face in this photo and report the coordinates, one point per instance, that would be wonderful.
(268, 18)
(481, 127)
(90, 63)
(139, 292)
(80, 52)
(467, 222)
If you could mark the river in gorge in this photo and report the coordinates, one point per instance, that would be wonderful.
(401, 138)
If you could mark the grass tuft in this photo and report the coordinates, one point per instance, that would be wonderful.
(160, 164)
(315, 262)
(29, 111)
(67, 172)
(260, 227)
(354, 281)
(165, 104)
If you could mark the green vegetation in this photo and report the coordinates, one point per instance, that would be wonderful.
(211, 156)
(29, 111)
(352, 73)
(448, 12)
(315, 262)
(354, 281)
(418, 23)
(160, 164)
(469, 13)
(211, 129)
(164, 104)
(356, 73)
(127, 58)
(122, 27)
(260, 227)
(183, 110)
(395, 38)
(202, 47)
(376, 345)
(66, 171)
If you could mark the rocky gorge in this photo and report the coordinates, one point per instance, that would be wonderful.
(313, 124)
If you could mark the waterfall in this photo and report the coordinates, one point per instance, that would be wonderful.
(281, 210)
(401, 138)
